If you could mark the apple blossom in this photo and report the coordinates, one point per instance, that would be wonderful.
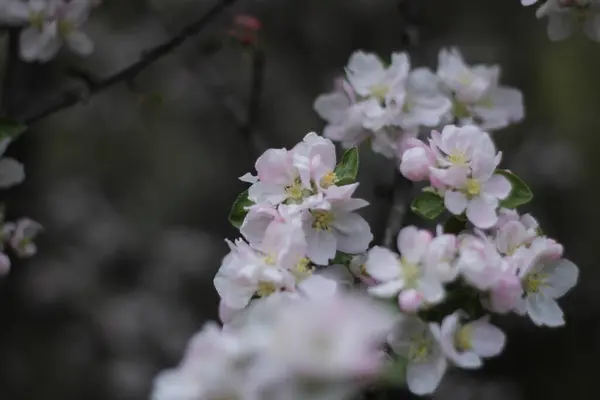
(563, 15)
(545, 278)
(477, 97)
(406, 273)
(466, 344)
(468, 159)
(21, 235)
(415, 340)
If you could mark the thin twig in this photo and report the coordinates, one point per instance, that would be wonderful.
(401, 194)
(254, 102)
(68, 99)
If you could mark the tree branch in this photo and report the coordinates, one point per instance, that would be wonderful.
(254, 102)
(70, 98)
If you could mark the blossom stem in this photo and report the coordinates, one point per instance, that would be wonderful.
(401, 195)
(148, 57)
(256, 89)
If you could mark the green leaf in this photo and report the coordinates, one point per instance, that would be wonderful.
(455, 224)
(10, 129)
(238, 209)
(428, 205)
(342, 258)
(520, 193)
(347, 170)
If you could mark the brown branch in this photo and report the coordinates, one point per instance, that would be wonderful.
(70, 98)
(254, 102)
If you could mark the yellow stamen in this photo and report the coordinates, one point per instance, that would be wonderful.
(322, 220)
(458, 158)
(328, 180)
(473, 187)
(410, 273)
(265, 289)
(463, 338)
(379, 92)
(534, 282)
(460, 110)
(419, 349)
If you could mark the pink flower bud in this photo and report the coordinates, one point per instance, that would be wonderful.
(416, 162)
(410, 300)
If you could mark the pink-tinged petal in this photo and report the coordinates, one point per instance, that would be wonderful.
(423, 378)
(482, 212)
(455, 176)
(382, 264)
(340, 192)
(412, 243)
(318, 287)
(353, 233)
(455, 202)
(274, 166)
(410, 300)
(332, 107)
(487, 340)
(497, 186)
(321, 246)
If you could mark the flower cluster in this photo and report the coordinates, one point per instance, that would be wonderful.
(298, 320)
(284, 348)
(447, 284)
(48, 24)
(389, 104)
(19, 235)
(298, 214)
(460, 165)
(564, 15)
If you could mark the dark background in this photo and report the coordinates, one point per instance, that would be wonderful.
(134, 186)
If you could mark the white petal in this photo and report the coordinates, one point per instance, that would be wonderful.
(332, 107)
(382, 264)
(11, 172)
(388, 289)
(80, 43)
(455, 202)
(413, 243)
(482, 212)
(563, 276)
(424, 378)
(321, 246)
(544, 311)
(497, 186)
(487, 340)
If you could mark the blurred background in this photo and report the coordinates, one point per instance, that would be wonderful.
(133, 185)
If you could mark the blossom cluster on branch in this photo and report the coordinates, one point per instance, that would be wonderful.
(47, 25)
(564, 15)
(15, 236)
(388, 104)
(310, 311)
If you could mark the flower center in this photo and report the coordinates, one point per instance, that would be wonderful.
(265, 289)
(379, 92)
(303, 269)
(462, 339)
(296, 192)
(458, 158)
(328, 180)
(36, 19)
(419, 349)
(473, 187)
(65, 27)
(534, 281)
(460, 110)
(322, 220)
(410, 273)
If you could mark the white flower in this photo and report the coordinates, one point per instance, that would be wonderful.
(424, 104)
(416, 160)
(415, 340)
(11, 171)
(546, 278)
(331, 224)
(564, 14)
(343, 114)
(466, 344)
(247, 272)
(21, 235)
(51, 23)
(528, 2)
(4, 264)
(215, 366)
(479, 261)
(405, 275)
(473, 186)
(338, 337)
(440, 258)
(477, 97)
